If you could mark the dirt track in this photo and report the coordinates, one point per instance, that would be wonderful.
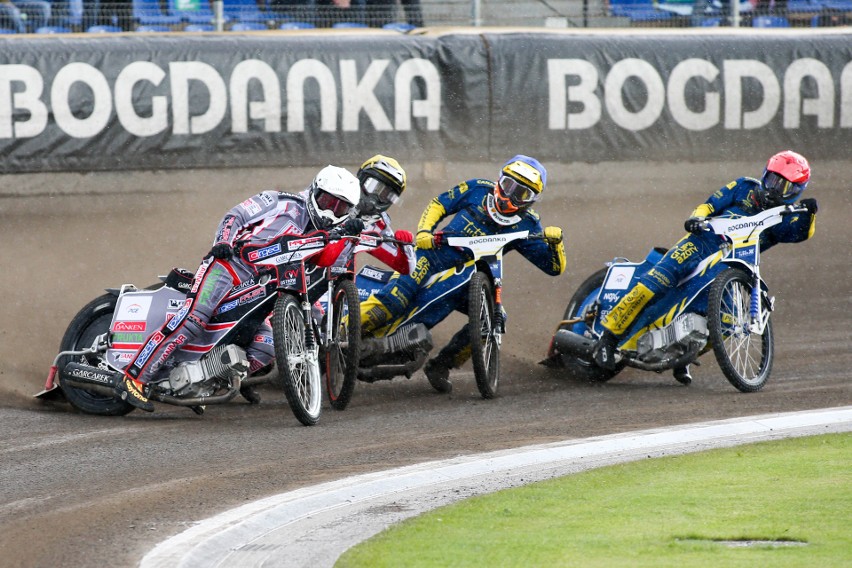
(78, 490)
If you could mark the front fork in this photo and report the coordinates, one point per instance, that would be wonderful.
(759, 317)
(499, 318)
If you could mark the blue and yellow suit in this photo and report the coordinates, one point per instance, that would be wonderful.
(471, 205)
(738, 198)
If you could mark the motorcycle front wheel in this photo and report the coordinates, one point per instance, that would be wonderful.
(744, 357)
(298, 366)
(484, 336)
(344, 345)
(90, 322)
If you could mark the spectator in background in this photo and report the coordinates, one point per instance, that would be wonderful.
(770, 8)
(381, 12)
(330, 12)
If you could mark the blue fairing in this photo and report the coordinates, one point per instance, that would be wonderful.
(694, 290)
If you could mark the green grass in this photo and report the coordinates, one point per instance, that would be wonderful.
(658, 512)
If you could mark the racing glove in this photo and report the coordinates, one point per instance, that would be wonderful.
(553, 235)
(425, 240)
(222, 251)
(810, 204)
(694, 225)
(353, 226)
(405, 237)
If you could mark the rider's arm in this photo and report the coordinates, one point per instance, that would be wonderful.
(447, 203)
(793, 228)
(330, 253)
(724, 197)
(549, 258)
(400, 258)
(246, 213)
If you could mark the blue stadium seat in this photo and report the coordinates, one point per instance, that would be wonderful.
(7, 31)
(199, 28)
(770, 22)
(153, 28)
(341, 25)
(402, 27)
(803, 6)
(638, 10)
(193, 12)
(10, 19)
(248, 27)
(713, 22)
(837, 5)
(244, 11)
(103, 30)
(53, 30)
(147, 12)
(296, 26)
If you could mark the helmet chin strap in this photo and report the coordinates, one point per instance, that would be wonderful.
(498, 217)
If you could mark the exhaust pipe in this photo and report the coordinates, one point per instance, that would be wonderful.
(570, 343)
(388, 372)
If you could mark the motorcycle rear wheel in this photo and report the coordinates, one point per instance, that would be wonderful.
(344, 346)
(298, 366)
(744, 357)
(484, 340)
(91, 321)
(586, 369)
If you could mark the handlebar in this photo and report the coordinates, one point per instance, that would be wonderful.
(706, 224)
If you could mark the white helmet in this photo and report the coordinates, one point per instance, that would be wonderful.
(333, 194)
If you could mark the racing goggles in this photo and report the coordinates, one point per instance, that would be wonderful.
(384, 194)
(331, 204)
(781, 188)
(519, 194)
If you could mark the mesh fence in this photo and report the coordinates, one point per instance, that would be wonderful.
(94, 16)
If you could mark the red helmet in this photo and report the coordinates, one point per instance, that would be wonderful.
(785, 177)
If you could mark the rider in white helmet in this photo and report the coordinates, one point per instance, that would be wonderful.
(328, 203)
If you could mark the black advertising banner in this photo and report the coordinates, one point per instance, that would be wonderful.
(218, 100)
(672, 96)
(138, 102)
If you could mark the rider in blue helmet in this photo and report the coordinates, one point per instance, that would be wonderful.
(472, 208)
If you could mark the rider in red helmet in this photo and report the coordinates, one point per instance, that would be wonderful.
(784, 179)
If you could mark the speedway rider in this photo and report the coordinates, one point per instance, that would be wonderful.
(383, 181)
(326, 204)
(784, 179)
(477, 207)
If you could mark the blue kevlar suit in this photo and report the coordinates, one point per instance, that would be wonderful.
(471, 205)
(738, 198)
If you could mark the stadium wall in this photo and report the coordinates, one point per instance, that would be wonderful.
(139, 101)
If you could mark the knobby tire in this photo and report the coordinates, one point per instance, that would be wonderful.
(484, 344)
(344, 346)
(298, 369)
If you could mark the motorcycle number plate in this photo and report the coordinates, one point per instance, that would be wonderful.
(620, 277)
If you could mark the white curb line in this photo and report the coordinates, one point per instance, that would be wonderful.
(312, 526)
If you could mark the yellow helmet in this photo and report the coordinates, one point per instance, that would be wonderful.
(521, 182)
(382, 183)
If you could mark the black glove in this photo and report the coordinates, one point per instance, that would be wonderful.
(221, 251)
(353, 226)
(810, 204)
(694, 225)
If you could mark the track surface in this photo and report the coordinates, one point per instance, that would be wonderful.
(78, 490)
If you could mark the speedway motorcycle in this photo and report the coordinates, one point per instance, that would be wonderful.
(474, 288)
(104, 336)
(723, 305)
